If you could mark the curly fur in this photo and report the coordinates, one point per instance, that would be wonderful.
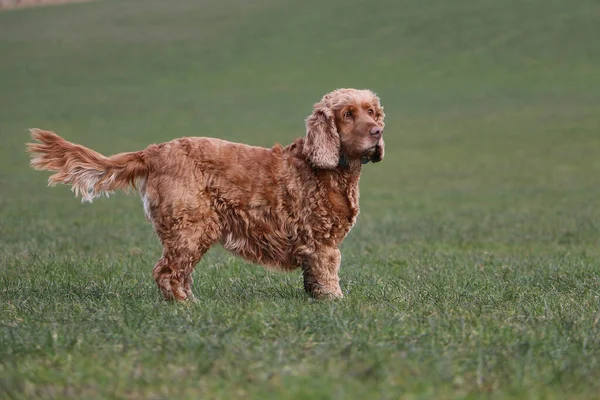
(283, 207)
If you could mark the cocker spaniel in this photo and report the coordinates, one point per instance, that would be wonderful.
(283, 207)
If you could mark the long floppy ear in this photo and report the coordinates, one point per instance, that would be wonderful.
(379, 114)
(379, 118)
(322, 144)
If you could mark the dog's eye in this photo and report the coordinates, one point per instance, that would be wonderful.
(348, 114)
(371, 111)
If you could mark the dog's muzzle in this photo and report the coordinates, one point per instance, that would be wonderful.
(378, 154)
(374, 154)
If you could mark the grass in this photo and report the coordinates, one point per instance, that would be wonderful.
(473, 270)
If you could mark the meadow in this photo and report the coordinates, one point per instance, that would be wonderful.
(473, 270)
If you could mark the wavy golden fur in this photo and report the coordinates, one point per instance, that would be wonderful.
(283, 207)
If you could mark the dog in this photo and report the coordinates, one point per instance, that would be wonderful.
(283, 207)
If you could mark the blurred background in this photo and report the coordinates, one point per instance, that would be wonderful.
(493, 108)
(472, 270)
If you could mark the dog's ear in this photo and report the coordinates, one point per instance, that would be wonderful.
(379, 114)
(322, 144)
(379, 118)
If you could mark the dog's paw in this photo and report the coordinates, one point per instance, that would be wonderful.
(323, 293)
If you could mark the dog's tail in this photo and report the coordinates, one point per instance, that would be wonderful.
(88, 172)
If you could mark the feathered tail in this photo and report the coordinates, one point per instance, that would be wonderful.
(90, 173)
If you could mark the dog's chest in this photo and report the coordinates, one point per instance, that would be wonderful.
(343, 207)
(340, 211)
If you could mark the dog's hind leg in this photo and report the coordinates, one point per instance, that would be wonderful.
(182, 250)
(172, 272)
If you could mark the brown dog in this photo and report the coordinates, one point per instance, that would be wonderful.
(284, 207)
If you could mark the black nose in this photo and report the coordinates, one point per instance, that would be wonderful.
(376, 131)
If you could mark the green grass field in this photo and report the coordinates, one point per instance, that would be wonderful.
(473, 270)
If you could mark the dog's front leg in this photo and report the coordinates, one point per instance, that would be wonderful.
(320, 271)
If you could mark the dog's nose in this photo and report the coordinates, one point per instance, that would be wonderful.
(376, 131)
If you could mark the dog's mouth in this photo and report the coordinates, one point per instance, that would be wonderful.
(368, 154)
(372, 154)
(378, 155)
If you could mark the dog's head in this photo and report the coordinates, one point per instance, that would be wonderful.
(346, 123)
